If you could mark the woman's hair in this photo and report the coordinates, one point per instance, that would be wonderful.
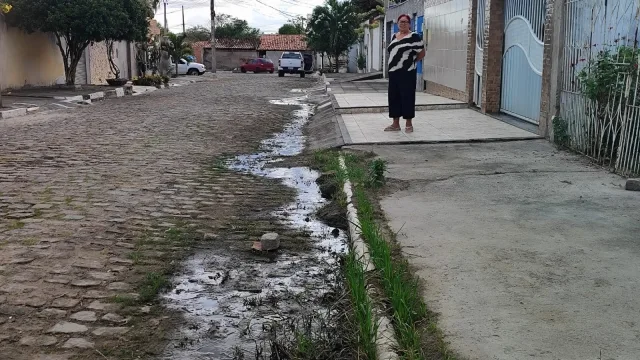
(404, 16)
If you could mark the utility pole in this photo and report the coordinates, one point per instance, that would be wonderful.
(213, 37)
(166, 24)
(183, 29)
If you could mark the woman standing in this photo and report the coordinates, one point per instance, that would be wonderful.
(405, 49)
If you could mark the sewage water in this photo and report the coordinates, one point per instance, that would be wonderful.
(230, 303)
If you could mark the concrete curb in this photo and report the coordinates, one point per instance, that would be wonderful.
(385, 338)
(11, 113)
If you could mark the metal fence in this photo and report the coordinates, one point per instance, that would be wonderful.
(601, 42)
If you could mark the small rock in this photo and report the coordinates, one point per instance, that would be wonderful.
(78, 343)
(145, 309)
(68, 328)
(65, 302)
(114, 318)
(44, 340)
(110, 331)
(86, 283)
(633, 185)
(88, 316)
(269, 242)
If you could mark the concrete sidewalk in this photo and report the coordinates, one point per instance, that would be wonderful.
(525, 251)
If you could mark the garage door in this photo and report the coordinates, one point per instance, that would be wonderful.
(522, 59)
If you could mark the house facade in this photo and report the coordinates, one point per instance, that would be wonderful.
(230, 53)
(273, 45)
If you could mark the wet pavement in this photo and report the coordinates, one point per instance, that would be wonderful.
(232, 302)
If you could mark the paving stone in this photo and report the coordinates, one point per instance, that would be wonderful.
(73, 217)
(58, 280)
(44, 340)
(119, 286)
(52, 313)
(125, 245)
(32, 301)
(101, 275)
(88, 316)
(114, 318)
(97, 305)
(110, 331)
(21, 261)
(116, 260)
(95, 294)
(42, 206)
(88, 264)
(86, 283)
(80, 343)
(68, 328)
(64, 302)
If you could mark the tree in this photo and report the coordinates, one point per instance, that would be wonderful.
(178, 48)
(289, 29)
(197, 33)
(76, 24)
(294, 26)
(232, 28)
(332, 28)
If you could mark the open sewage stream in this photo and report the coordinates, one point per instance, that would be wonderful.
(230, 305)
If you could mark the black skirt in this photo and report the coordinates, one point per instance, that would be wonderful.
(402, 94)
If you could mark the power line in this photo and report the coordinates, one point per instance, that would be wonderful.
(276, 9)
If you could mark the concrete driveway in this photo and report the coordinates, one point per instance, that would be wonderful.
(525, 251)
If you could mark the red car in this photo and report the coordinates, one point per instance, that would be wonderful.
(258, 65)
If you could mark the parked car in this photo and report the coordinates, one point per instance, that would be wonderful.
(258, 65)
(291, 63)
(189, 68)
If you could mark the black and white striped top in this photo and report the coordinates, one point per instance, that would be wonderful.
(403, 52)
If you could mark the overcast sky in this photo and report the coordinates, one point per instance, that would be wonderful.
(266, 15)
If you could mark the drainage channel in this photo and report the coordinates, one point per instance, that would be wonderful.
(223, 300)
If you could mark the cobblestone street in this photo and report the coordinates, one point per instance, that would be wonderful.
(87, 198)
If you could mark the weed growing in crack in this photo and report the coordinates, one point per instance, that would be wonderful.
(17, 224)
(375, 175)
(135, 256)
(152, 285)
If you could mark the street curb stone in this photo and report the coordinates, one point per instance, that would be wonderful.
(8, 114)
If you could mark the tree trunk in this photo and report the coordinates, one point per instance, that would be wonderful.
(337, 63)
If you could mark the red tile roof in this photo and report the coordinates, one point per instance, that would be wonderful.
(282, 43)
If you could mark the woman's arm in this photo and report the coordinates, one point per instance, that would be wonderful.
(421, 55)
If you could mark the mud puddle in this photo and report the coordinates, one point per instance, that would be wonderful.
(230, 300)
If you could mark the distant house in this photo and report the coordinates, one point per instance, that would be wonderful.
(272, 46)
(230, 53)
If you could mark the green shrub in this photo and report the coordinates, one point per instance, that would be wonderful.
(151, 80)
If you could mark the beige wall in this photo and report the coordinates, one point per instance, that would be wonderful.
(28, 59)
(99, 69)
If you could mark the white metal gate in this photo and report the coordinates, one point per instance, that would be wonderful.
(522, 59)
(477, 79)
(599, 34)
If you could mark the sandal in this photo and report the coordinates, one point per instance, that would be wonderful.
(392, 128)
(408, 129)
